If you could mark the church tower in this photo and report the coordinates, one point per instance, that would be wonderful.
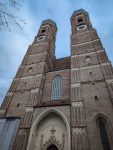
(91, 87)
(60, 104)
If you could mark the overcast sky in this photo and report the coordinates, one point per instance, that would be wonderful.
(14, 44)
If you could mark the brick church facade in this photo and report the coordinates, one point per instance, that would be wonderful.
(60, 104)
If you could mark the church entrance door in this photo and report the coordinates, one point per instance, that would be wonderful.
(52, 147)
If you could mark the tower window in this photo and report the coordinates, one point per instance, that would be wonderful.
(18, 105)
(43, 31)
(88, 59)
(80, 19)
(96, 98)
(90, 73)
(30, 70)
(103, 134)
(57, 88)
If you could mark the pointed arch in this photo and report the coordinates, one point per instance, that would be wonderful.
(56, 88)
(102, 121)
(102, 126)
(50, 144)
(87, 59)
(41, 117)
(52, 147)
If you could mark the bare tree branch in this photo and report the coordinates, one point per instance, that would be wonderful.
(7, 18)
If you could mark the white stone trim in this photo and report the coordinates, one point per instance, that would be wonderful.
(94, 66)
(81, 33)
(102, 50)
(83, 54)
(109, 81)
(29, 109)
(9, 93)
(79, 130)
(58, 71)
(74, 56)
(74, 69)
(77, 104)
(21, 66)
(85, 42)
(76, 85)
(2, 111)
(105, 64)
(16, 79)
(28, 77)
(35, 90)
(40, 43)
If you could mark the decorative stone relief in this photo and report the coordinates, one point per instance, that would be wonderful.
(76, 85)
(100, 51)
(29, 109)
(79, 130)
(35, 90)
(16, 79)
(109, 81)
(73, 69)
(77, 104)
(9, 93)
(105, 64)
(2, 111)
(51, 140)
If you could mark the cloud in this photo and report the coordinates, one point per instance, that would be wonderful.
(14, 45)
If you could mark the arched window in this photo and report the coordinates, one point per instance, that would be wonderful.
(88, 59)
(30, 70)
(96, 98)
(80, 19)
(52, 147)
(103, 134)
(57, 88)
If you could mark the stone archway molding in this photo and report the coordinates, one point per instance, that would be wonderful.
(52, 143)
(41, 116)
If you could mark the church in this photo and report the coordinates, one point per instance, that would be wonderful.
(60, 104)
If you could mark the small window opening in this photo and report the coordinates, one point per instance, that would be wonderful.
(80, 19)
(30, 70)
(25, 83)
(88, 59)
(93, 83)
(96, 98)
(90, 73)
(18, 105)
(43, 31)
(22, 92)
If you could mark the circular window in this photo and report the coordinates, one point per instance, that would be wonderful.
(81, 27)
(41, 37)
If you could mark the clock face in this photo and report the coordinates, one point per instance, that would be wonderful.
(41, 37)
(81, 27)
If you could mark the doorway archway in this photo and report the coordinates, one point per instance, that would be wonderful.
(50, 128)
(52, 147)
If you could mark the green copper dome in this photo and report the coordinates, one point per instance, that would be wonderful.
(50, 21)
(79, 11)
